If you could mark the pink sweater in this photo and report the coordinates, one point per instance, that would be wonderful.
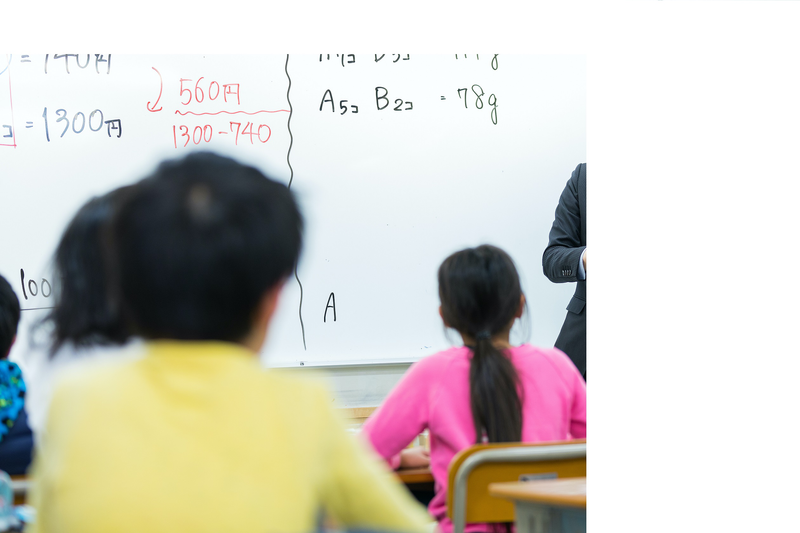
(434, 394)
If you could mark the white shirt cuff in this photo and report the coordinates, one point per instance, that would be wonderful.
(581, 270)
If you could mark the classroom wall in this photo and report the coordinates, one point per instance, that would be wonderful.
(361, 385)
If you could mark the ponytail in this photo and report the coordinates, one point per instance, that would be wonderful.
(496, 407)
(480, 293)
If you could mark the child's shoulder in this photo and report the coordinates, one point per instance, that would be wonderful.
(443, 358)
(90, 383)
(543, 358)
(525, 353)
(537, 352)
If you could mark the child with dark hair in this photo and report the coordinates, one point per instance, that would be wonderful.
(16, 439)
(85, 328)
(83, 315)
(484, 391)
(197, 435)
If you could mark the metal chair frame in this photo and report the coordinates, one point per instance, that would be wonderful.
(504, 455)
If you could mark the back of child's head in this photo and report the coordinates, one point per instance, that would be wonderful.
(9, 317)
(480, 295)
(479, 289)
(199, 243)
(83, 314)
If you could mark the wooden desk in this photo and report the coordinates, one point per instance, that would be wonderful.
(411, 476)
(547, 505)
(416, 477)
(419, 482)
(20, 485)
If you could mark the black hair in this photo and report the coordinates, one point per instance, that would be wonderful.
(9, 316)
(198, 244)
(480, 294)
(82, 312)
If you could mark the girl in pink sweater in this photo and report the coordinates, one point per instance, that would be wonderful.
(484, 391)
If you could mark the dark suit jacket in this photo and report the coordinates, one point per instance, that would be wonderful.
(560, 263)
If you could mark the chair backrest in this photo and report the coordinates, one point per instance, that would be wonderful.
(473, 469)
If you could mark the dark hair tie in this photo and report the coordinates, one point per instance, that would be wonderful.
(483, 335)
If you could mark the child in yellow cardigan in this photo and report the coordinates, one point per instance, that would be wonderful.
(196, 436)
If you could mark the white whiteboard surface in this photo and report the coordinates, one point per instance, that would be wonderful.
(386, 193)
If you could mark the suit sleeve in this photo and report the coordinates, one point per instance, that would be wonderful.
(563, 253)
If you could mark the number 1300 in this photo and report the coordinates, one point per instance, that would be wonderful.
(199, 134)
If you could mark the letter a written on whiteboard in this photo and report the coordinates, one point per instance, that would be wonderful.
(330, 305)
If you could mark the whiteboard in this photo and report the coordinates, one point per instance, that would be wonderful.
(397, 160)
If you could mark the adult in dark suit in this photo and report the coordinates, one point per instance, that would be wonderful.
(564, 260)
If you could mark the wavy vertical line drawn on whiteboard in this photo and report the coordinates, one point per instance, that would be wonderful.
(291, 177)
(289, 122)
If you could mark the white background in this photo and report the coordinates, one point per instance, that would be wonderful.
(692, 137)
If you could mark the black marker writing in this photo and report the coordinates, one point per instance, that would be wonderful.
(330, 305)
(384, 97)
(33, 288)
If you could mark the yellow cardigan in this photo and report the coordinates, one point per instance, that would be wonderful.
(197, 437)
